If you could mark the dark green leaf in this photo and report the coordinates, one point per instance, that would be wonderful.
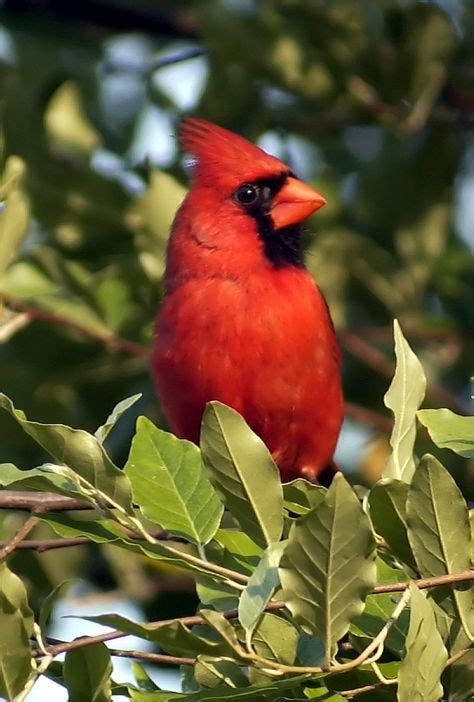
(211, 672)
(421, 668)
(300, 496)
(387, 503)
(175, 638)
(439, 531)
(328, 566)
(16, 625)
(87, 674)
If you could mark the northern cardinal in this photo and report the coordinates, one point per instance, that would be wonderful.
(242, 320)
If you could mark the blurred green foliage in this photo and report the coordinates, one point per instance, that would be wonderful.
(371, 101)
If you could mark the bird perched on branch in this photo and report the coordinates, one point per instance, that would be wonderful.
(242, 320)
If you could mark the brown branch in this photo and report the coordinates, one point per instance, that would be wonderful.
(152, 657)
(457, 656)
(369, 417)
(44, 502)
(372, 357)
(196, 620)
(111, 342)
(22, 532)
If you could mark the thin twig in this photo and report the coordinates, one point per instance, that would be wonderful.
(152, 657)
(16, 540)
(111, 342)
(457, 656)
(196, 620)
(44, 501)
(372, 357)
(369, 417)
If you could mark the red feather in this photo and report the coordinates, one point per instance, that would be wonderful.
(235, 326)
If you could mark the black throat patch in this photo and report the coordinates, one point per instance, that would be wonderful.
(283, 247)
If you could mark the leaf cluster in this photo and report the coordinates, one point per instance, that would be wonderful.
(304, 591)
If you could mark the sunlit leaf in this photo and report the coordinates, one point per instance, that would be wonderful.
(78, 451)
(66, 123)
(40, 479)
(328, 566)
(449, 430)
(169, 483)
(104, 430)
(404, 397)
(439, 532)
(239, 465)
(421, 668)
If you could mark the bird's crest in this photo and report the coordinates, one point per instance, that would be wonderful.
(225, 157)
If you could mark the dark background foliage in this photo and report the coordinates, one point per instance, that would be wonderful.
(370, 101)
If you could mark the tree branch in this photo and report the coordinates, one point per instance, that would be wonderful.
(111, 342)
(372, 357)
(196, 620)
(15, 541)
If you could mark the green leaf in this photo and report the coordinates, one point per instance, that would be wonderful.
(14, 218)
(225, 629)
(328, 566)
(404, 397)
(66, 123)
(461, 679)
(101, 531)
(104, 430)
(378, 610)
(169, 483)
(210, 672)
(301, 496)
(387, 504)
(214, 594)
(261, 586)
(175, 638)
(78, 451)
(49, 602)
(14, 590)
(257, 693)
(142, 678)
(449, 430)
(16, 625)
(426, 656)
(239, 465)
(240, 552)
(275, 638)
(39, 479)
(87, 674)
(439, 532)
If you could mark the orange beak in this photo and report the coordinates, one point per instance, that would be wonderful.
(294, 202)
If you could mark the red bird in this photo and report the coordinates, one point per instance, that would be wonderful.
(242, 320)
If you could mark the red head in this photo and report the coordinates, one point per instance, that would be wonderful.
(242, 211)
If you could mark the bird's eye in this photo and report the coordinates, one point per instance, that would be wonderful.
(247, 194)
